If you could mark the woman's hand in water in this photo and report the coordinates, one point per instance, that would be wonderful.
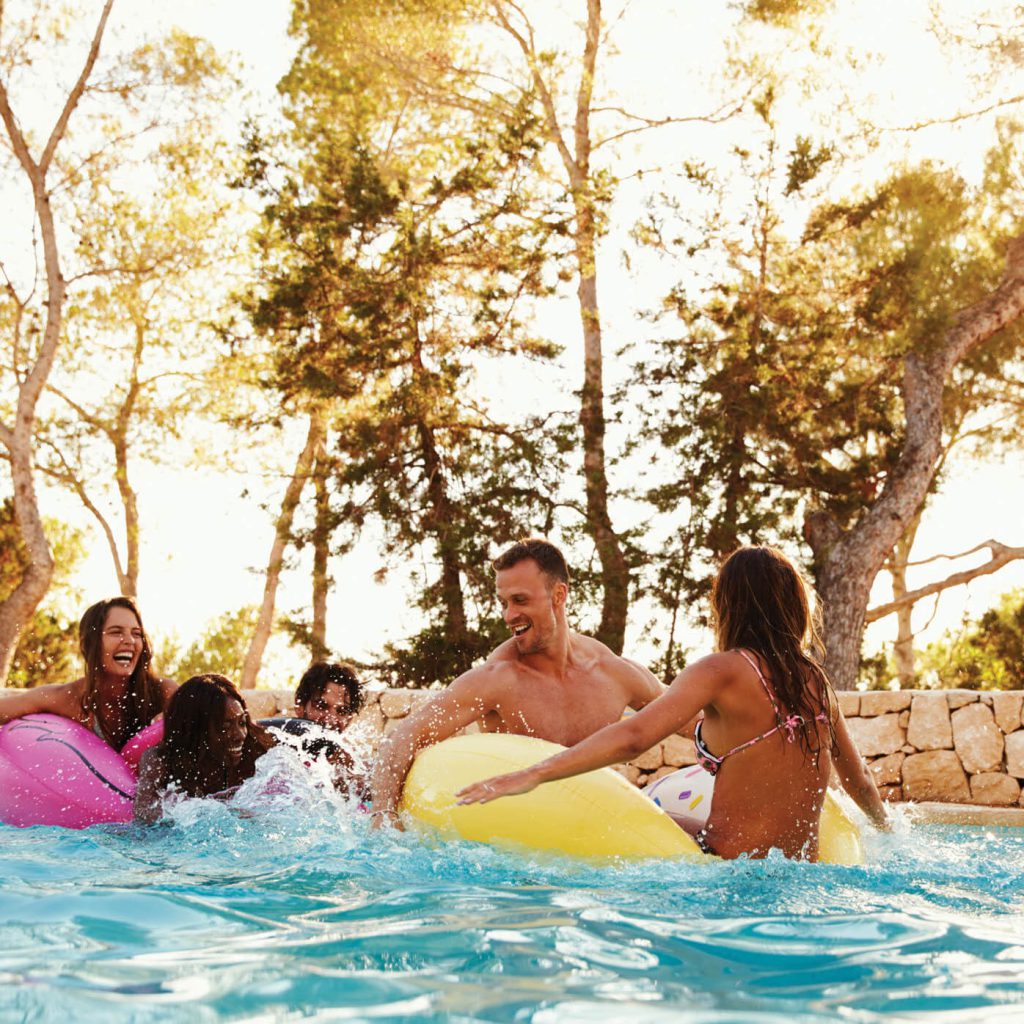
(499, 785)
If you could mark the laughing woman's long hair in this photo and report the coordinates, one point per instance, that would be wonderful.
(145, 696)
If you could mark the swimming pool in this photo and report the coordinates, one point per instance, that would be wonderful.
(299, 913)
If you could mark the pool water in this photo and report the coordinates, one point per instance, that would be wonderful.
(285, 907)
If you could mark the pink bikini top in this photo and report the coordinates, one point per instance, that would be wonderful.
(787, 725)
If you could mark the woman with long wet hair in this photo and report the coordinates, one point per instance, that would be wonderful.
(770, 731)
(210, 746)
(118, 694)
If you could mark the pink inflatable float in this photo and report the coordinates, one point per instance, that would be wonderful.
(140, 743)
(56, 772)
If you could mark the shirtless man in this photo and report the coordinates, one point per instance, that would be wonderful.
(545, 681)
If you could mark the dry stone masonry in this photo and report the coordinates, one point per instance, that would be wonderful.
(951, 746)
(947, 746)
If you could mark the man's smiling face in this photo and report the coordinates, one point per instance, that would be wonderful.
(528, 602)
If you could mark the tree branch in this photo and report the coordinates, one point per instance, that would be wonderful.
(957, 118)
(71, 480)
(18, 143)
(76, 93)
(1001, 555)
(92, 419)
(723, 113)
(554, 130)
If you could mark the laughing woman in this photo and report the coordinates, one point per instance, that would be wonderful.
(118, 694)
(210, 746)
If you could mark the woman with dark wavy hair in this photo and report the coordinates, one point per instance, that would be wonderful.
(770, 731)
(118, 694)
(210, 746)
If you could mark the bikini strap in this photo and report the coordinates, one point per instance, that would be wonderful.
(787, 723)
(752, 662)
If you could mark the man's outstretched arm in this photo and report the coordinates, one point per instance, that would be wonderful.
(464, 702)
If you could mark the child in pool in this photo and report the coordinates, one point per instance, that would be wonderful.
(118, 695)
(210, 746)
(767, 706)
(329, 696)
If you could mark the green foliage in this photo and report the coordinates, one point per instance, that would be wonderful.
(429, 658)
(398, 258)
(780, 398)
(877, 671)
(783, 12)
(221, 648)
(984, 655)
(48, 647)
(805, 163)
(47, 651)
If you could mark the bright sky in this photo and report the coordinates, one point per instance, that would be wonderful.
(198, 556)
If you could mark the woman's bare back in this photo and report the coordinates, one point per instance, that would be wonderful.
(769, 794)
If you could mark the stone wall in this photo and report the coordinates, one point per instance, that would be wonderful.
(949, 746)
(385, 709)
(953, 746)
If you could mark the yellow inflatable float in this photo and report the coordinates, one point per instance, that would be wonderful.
(597, 815)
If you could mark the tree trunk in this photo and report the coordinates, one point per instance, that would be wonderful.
(441, 517)
(576, 161)
(129, 579)
(903, 651)
(321, 552)
(18, 608)
(847, 562)
(614, 568)
(282, 531)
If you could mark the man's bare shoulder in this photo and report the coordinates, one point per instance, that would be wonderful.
(489, 678)
(592, 648)
(586, 648)
(506, 652)
(471, 696)
(640, 684)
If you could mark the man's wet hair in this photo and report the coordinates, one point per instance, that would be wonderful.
(543, 552)
(321, 674)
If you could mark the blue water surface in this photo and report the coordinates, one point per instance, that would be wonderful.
(285, 907)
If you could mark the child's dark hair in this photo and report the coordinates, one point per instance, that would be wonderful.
(321, 674)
